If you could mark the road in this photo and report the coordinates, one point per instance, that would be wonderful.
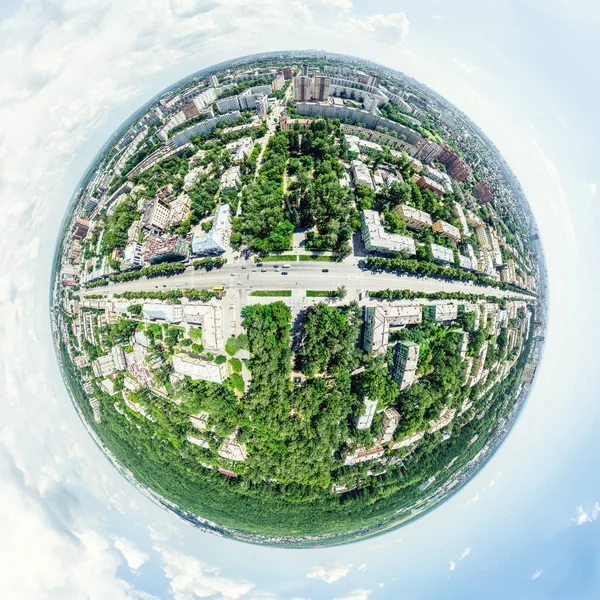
(301, 276)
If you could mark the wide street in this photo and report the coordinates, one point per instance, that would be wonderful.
(309, 275)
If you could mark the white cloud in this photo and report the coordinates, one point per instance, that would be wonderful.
(452, 566)
(134, 557)
(537, 574)
(341, 5)
(363, 567)
(593, 188)
(469, 67)
(355, 595)
(329, 574)
(585, 515)
(465, 553)
(189, 578)
(387, 29)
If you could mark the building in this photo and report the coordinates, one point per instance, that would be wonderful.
(108, 387)
(426, 150)
(442, 254)
(278, 82)
(241, 148)
(426, 183)
(180, 209)
(199, 367)
(460, 213)
(376, 239)
(446, 230)
(133, 255)
(320, 88)
(189, 109)
(232, 450)
(405, 357)
(414, 218)
(366, 418)
(287, 124)
(103, 366)
(171, 313)
(118, 356)
(80, 229)
(408, 441)
(483, 191)
(231, 178)
(214, 82)
(202, 128)
(364, 146)
(391, 418)
(210, 318)
(455, 165)
(199, 420)
(442, 312)
(361, 174)
(197, 441)
(156, 216)
(288, 74)
(165, 248)
(302, 88)
(445, 418)
(216, 241)
(380, 319)
(361, 455)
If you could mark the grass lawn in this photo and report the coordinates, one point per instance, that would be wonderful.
(321, 258)
(277, 258)
(320, 293)
(271, 293)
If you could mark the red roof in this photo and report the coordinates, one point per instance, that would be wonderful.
(228, 473)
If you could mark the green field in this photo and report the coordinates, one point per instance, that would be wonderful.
(278, 258)
(279, 293)
(320, 293)
(318, 257)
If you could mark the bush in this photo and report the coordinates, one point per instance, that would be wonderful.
(237, 382)
(220, 359)
(197, 348)
(236, 365)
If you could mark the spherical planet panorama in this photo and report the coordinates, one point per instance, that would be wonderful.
(299, 299)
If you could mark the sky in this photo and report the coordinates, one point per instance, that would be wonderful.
(526, 527)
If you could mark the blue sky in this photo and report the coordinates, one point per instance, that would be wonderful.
(525, 527)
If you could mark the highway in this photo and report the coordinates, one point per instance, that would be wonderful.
(246, 277)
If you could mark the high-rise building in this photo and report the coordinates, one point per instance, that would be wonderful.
(366, 417)
(190, 110)
(214, 82)
(278, 82)
(483, 191)
(427, 150)
(302, 89)
(320, 88)
(288, 74)
(455, 165)
(157, 214)
(305, 70)
(391, 418)
(80, 229)
(404, 363)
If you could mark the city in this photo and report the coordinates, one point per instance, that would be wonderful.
(299, 279)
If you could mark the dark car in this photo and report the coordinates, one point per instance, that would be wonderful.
(325, 270)
(284, 272)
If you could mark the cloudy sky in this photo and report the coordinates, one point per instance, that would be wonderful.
(527, 72)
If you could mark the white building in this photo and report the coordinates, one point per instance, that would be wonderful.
(379, 320)
(361, 174)
(216, 241)
(414, 218)
(376, 239)
(103, 366)
(199, 367)
(231, 179)
(442, 253)
(366, 418)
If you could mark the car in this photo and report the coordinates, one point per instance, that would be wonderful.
(254, 270)
(284, 272)
(259, 264)
(276, 266)
(286, 267)
(156, 286)
(263, 270)
(244, 267)
(232, 274)
(325, 270)
(164, 285)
